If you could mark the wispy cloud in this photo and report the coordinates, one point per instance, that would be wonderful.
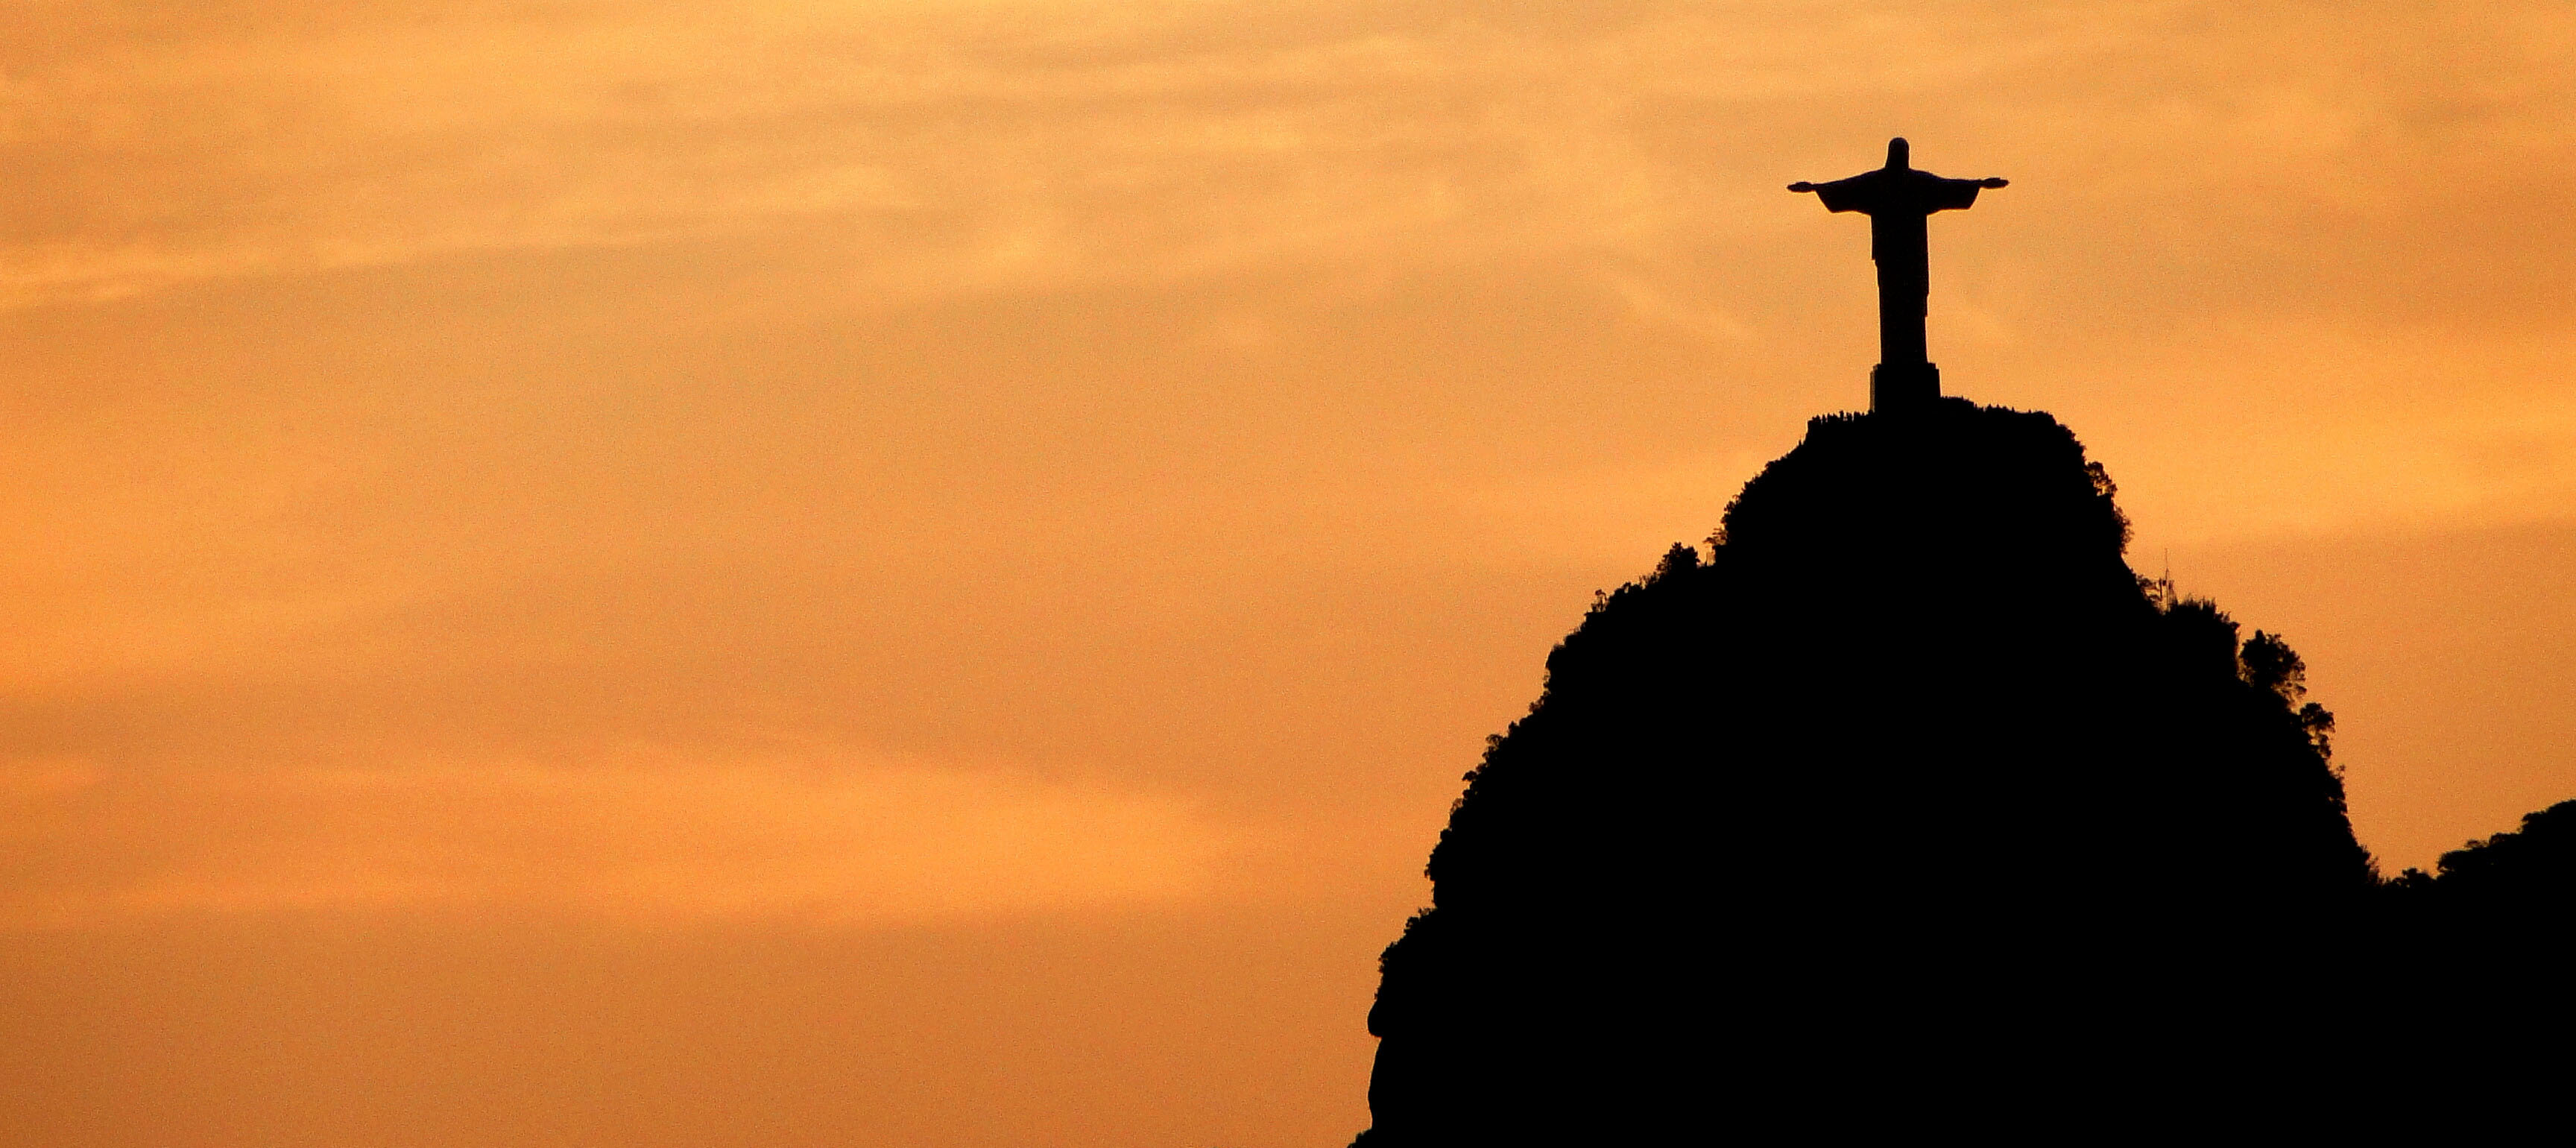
(1022, 142)
(1194, 307)
(638, 838)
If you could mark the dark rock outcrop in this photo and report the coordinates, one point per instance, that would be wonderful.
(1910, 790)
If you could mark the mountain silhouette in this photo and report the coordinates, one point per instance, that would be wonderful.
(1910, 798)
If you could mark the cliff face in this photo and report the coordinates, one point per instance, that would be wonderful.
(1913, 752)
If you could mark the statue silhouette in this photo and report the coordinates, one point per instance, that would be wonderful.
(1912, 807)
(1897, 198)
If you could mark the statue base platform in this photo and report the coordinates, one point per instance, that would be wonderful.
(1903, 387)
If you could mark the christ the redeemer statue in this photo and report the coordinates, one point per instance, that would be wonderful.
(1897, 198)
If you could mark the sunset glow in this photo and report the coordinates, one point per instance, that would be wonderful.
(924, 572)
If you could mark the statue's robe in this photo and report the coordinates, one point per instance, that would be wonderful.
(1897, 200)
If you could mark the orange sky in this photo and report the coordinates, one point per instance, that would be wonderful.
(923, 572)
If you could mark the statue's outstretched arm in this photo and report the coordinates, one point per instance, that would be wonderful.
(1802, 186)
(1989, 181)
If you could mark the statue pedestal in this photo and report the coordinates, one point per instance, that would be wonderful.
(1902, 387)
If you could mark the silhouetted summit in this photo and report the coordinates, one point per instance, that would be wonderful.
(2529, 869)
(1911, 776)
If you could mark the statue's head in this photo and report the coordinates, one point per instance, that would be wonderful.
(1900, 155)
